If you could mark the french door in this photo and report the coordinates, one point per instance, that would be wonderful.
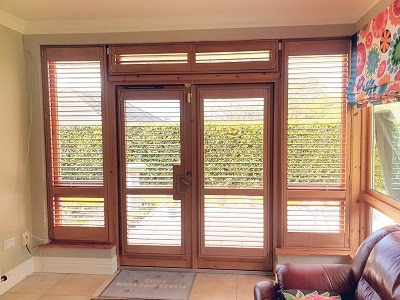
(195, 170)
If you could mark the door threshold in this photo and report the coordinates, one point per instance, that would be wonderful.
(213, 271)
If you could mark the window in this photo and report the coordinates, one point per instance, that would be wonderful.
(316, 201)
(194, 57)
(386, 150)
(383, 191)
(379, 220)
(74, 149)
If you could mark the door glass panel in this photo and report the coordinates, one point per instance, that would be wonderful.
(233, 143)
(152, 148)
(154, 220)
(233, 221)
(233, 163)
(152, 135)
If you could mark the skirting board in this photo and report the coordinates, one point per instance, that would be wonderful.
(76, 265)
(16, 275)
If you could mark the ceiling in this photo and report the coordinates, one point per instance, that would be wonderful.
(87, 16)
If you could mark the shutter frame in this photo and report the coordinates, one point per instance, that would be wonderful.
(317, 192)
(62, 103)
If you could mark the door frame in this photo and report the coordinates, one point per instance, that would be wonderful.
(190, 81)
(142, 255)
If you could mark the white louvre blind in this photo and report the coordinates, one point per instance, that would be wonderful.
(316, 146)
(75, 150)
(316, 216)
(233, 135)
(152, 58)
(152, 147)
(152, 138)
(233, 221)
(76, 121)
(316, 141)
(233, 142)
(194, 57)
(78, 211)
(153, 220)
(232, 57)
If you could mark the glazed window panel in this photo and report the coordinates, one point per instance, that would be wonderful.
(386, 150)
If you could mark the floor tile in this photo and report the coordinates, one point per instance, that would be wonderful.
(245, 285)
(37, 283)
(62, 297)
(214, 287)
(19, 296)
(77, 285)
(105, 283)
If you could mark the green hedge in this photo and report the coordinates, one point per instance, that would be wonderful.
(233, 152)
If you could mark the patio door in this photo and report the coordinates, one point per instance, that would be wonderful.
(195, 167)
(235, 172)
(155, 176)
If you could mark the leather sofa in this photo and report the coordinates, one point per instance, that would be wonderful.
(374, 273)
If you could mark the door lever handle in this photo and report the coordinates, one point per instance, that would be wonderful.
(188, 183)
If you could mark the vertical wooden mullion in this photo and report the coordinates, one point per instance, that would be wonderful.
(53, 119)
(201, 186)
(54, 173)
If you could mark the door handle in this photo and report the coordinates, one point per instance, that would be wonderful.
(180, 182)
(188, 183)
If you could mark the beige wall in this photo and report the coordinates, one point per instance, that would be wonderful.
(15, 202)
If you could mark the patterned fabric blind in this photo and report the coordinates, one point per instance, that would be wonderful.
(376, 62)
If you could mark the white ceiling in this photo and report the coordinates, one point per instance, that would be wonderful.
(85, 16)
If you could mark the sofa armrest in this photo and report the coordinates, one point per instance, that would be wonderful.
(265, 290)
(317, 277)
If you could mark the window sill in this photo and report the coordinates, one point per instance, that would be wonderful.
(317, 252)
(78, 245)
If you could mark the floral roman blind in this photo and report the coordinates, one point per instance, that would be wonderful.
(376, 60)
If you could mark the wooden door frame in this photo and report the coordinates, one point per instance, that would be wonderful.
(110, 114)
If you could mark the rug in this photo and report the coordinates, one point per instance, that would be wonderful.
(138, 284)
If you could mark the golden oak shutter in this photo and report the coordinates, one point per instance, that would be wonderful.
(74, 135)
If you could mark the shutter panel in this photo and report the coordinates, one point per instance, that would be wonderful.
(149, 58)
(74, 127)
(237, 124)
(207, 57)
(75, 112)
(316, 120)
(233, 141)
(316, 147)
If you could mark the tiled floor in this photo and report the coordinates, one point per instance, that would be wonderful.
(52, 286)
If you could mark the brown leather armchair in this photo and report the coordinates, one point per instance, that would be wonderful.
(373, 275)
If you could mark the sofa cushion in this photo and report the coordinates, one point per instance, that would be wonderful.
(366, 247)
(306, 294)
(381, 276)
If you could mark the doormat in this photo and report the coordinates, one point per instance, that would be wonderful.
(132, 284)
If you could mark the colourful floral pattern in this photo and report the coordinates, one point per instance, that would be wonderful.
(378, 59)
(312, 296)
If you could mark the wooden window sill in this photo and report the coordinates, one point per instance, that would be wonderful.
(80, 245)
(309, 251)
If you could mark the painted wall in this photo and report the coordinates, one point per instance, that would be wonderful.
(15, 199)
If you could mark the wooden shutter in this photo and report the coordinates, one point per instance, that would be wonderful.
(316, 210)
(209, 57)
(74, 134)
(234, 141)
